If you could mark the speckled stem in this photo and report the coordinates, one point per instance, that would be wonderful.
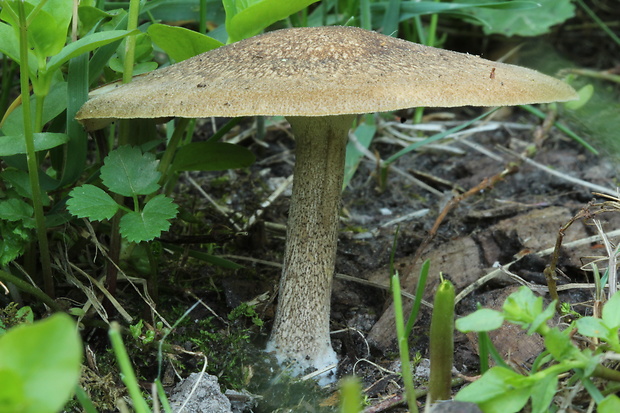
(301, 327)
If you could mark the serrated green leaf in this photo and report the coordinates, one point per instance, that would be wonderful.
(15, 238)
(128, 172)
(16, 144)
(15, 210)
(212, 156)
(181, 43)
(484, 319)
(150, 222)
(89, 201)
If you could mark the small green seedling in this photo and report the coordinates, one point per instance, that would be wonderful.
(503, 390)
(128, 172)
(442, 342)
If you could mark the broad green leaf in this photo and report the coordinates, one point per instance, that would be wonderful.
(522, 307)
(20, 181)
(16, 144)
(15, 209)
(181, 43)
(484, 319)
(499, 390)
(128, 172)
(55, 103)
(532, 22)
(611, 404)
(89, 16)
(246, 18)
(543, 392)
(84, 45)
(148, 224)
(542, 318)
(559, 345)
(364, 133)
(46, 36)
(12, 393)
(212, 156)
(9, 45)
(593, 327)
(44, 360)
(611, 311)
(92, 202)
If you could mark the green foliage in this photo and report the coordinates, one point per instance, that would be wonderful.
(128, 172)
(16, 144)
(246, 310)
(13, 315)
(212, 156)
(246, 18)
(527, 22)
(16, 229)
(350, 392)
(604, 328)
(442, 342)
(501, 389)
(181, 43)
(39, 365)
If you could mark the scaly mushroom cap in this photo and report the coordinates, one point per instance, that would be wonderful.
(318, 71)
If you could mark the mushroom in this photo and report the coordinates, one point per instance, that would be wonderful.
(319, 78)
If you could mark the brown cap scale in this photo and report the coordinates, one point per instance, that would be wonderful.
(319, 78)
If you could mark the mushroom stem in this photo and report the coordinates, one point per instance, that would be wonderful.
(301, 328)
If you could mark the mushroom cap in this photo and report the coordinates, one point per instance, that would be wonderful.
(320, 71)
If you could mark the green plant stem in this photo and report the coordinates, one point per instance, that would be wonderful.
(22, 285)
(31, 157)
(84, 400)
(432, 29)
(130, 45)
(419, 292)
(171, 148)
(365, 15)
(442, 342)
(606, 373)
(127, 374)
(403, 346)
(483, 351)
(202, 18)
